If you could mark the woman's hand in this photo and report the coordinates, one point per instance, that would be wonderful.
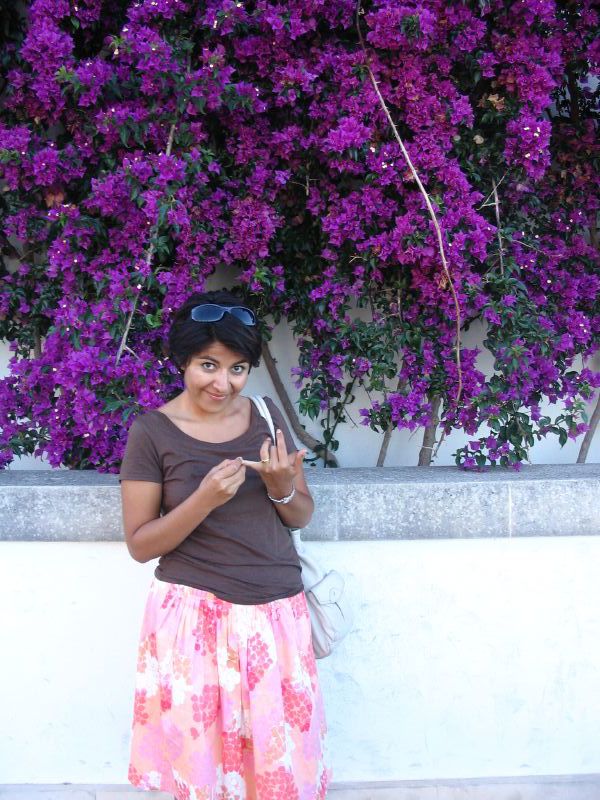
(278, 469)
(222, 482)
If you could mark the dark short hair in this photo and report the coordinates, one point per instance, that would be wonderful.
(187, 337)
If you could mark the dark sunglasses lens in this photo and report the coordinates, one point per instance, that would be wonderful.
(211, 312)
(207, 313)
(244, 315)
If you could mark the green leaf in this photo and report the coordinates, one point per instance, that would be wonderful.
(113, 403)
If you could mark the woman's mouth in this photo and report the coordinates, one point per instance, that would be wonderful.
(216, 396)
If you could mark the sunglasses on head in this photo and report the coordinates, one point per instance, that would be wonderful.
(211, 312)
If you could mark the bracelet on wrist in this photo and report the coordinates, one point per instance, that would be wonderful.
(283, 500)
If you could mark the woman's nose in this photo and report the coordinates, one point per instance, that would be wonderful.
(221, 379)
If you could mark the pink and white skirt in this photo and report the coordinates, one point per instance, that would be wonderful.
(227, 701)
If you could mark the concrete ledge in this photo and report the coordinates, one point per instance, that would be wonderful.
(563, 787)
(351, 504)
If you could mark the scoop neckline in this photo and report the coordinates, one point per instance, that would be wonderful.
(203, 441)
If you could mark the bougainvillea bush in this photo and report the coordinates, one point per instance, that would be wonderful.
(145, 146)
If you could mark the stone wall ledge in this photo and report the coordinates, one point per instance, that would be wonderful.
(351, 504)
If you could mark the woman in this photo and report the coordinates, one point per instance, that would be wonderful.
(227, 702)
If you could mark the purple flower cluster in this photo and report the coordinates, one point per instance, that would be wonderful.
(149, 144)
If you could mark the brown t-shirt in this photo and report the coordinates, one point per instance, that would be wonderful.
(241, 551)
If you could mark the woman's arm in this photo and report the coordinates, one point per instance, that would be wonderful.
(148, 535)
(298, 512)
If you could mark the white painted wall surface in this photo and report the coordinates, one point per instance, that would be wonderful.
(470, 658)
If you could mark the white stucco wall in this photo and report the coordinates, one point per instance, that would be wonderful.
(359, 446)
(470, 658)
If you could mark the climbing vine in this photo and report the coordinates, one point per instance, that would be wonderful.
(146, 146)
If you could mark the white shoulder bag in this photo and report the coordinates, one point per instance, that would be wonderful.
(328, 604)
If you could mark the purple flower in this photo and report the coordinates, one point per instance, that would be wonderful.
(282, 175)
(361, 366)
(492, 316)
(527, 144)
(348, 133)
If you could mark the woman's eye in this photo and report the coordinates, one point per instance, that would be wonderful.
(207, 365)
(239, 369)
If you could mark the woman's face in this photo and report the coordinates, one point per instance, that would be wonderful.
(215, 376)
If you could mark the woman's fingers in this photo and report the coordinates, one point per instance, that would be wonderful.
(281, 448)
(265, 451)
(223, 480)
(228, 467)
(298, 458)
(275, 462)
(230, 475)
(257, 466)
(239, 477)
(265, 457)
(276, 459)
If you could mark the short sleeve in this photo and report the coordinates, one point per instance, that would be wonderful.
(280, 423)
(141, 461)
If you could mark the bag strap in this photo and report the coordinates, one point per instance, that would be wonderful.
(263, 410)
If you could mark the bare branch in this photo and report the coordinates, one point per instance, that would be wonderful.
(589, 434)
(387, 436)
(306, 438)
(426, 452)
(500, 245)
(423, 191)
(123, 343)
(531, 247)
(133, 353)
(149, 257)
(485, 202)
(439, 444)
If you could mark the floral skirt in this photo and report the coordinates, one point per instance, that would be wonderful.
(227, 701)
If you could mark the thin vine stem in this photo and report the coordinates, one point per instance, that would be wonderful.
(589, 435)
(387, 436)
(491, 194)
(498, 227)
(423, 191)
(149, 256)
(338, 416)
(306, 438)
